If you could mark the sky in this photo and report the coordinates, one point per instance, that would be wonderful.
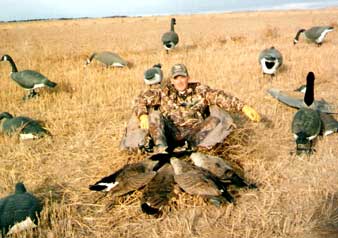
(44, 9)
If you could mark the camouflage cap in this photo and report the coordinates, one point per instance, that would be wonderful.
(179, 69)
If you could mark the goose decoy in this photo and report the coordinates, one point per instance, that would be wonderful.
(28, 79)
(270, 60)
(108, 58)
(129, 178)
(19, 211)
(306, 123)
(153, 75)
(170, 39)
(315, 34)
(26, 127)
(219, 167)
(329, 123)
(198, 181)
(158, 191)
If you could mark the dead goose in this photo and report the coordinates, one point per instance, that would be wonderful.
(129, 178)
(108, 59)
(198, 181)
(28, 79)
(306, 123)
(158, 191)
(153, 75)
(26, 127)
(219, 167)
(315, 34)
(170, 39)
(19, 211)
(270, 60)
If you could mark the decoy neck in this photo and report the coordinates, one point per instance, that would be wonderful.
(295, 40)
(173, 22)
(11, 61)
(5, 115)
(90, 58)
(309, 93)
(20, 188)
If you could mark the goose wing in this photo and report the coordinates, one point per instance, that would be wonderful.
(197, 182)
(158, 191)
(29, 78)
(296, 102)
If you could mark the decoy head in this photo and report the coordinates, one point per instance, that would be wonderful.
(295, 40)
(6, 115)
(5, 58)
(90, 59)
(157, 65)
(173, 21)
(20, 188)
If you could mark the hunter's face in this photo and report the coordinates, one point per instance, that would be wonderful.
(180, 82)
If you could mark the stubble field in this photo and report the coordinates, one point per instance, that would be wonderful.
(88, 110)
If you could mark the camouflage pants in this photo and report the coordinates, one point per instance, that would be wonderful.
(214, 129)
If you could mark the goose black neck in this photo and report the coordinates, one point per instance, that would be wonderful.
(20, 188)
(11, 61)
(173, 22)
(92, 57)
(5, 115)
(298, 33)
(309, 93)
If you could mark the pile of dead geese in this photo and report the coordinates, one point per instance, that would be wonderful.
(204, 175)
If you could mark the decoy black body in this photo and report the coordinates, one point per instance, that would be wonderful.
(19, 211)
(26, 127)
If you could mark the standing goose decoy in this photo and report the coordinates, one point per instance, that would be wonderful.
(153, 75)
(158, 191)
(329, 123)
(129, 178)
(19, 211)
(108, 58)
(198, 181)
(270, 60)
(170, 39)
(26, 127)
(219, 167)
(28, 79)
(306, 124)
(315, 34)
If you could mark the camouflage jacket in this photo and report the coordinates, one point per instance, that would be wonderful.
(187, 108)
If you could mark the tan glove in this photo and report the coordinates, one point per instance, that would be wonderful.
(251, 113)
(144, 122)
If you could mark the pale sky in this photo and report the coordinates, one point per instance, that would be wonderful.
(41, 9)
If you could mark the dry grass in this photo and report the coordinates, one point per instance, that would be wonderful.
(87, 113)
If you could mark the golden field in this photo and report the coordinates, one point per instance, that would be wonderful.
(88, 110)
